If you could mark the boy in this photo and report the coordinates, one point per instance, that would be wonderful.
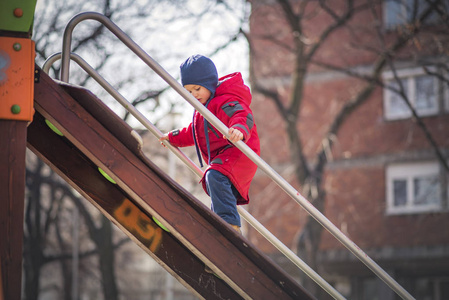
(229, 174)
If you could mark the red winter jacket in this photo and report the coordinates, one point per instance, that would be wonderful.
(230, 105)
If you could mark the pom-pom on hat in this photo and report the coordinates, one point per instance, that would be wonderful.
(200, 70)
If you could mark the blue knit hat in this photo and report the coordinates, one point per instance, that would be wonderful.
(200, 70)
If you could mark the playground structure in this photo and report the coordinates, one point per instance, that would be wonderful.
(93, 137)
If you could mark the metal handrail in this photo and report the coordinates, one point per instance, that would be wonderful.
(193, 167)
(293, 193)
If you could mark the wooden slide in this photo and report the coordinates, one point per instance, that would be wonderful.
(94, 137)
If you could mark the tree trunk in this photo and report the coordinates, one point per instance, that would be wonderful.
(309, 241)
(33, 255)
(32, 269)
(106, 258)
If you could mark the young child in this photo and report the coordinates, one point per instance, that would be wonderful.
(229, 172)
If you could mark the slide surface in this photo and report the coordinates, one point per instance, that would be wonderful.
(93, 136)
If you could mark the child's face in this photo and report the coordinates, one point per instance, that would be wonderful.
(199, 92)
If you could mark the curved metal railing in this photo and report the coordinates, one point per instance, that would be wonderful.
(193, 167)
(294, 194)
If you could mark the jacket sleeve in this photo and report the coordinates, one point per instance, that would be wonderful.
(181, 137)
(237, 115)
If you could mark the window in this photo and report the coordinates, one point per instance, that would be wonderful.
(413, 188)
(420, 89)
(422, 288)
(394, 13)
(401, 12)
(431, 288)
(370, 288)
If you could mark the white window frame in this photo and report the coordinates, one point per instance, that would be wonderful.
(410, 76)
(408, 172)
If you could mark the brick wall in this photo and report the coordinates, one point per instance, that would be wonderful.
(356, 194)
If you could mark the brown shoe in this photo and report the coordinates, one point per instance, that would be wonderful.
(237, 228)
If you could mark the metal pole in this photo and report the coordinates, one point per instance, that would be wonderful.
(294, 194)
(123, 101)
(197, 170)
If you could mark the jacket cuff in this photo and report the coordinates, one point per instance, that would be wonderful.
(173, 133)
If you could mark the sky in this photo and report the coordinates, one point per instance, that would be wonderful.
(168, 42)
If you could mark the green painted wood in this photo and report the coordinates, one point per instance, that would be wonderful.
(17, 15)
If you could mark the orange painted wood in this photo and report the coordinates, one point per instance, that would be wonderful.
(17, 80)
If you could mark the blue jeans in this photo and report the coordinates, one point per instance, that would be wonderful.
(224, 196)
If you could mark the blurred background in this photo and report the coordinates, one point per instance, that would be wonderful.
(351, 100)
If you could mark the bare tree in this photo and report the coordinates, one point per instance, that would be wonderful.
(48, 238)
(308, 27)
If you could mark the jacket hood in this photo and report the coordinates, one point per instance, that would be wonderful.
(233, 85)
